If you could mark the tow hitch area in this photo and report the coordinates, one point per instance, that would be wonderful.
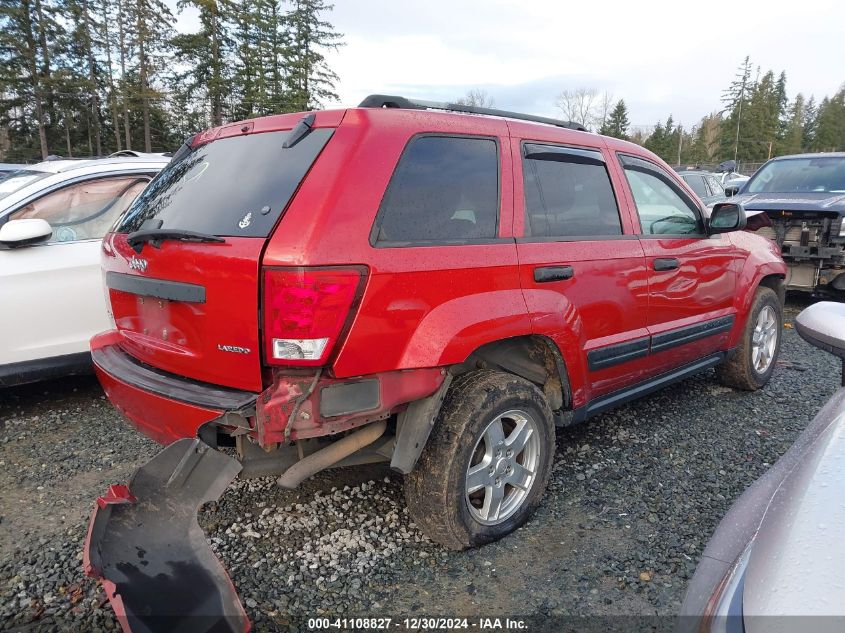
(146, 547)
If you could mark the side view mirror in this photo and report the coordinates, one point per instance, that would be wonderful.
(823, 325)
(17, 233)
(731, 190)
(727, 217)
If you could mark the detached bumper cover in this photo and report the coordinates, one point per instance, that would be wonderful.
(146, 547)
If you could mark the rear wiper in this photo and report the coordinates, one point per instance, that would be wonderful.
(300, 130)
(156, 236)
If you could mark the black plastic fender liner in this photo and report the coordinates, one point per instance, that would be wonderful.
(146, 546)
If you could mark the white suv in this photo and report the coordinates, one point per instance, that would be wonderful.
(53, 216)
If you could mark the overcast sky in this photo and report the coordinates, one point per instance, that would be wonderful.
(661, 57)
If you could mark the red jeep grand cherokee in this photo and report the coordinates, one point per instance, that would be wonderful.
(439, 290)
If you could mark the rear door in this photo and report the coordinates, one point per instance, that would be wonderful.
(54, 290)
(581, 267)
(692, 277)
(193, 308)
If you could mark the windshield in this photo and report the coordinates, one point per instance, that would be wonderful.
(237, 186)
(810, 174)
(10, 183)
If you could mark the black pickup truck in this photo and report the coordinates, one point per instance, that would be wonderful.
(804, 198)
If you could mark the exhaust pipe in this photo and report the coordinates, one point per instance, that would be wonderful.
(332, 454)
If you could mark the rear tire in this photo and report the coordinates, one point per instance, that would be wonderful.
(752, 365)
(487, 462)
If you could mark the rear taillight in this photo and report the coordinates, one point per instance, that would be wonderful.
(305, 310)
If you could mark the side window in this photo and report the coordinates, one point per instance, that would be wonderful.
(696, 183)
(568, 193)
(445, 188)
(84, 210)
(662, 206)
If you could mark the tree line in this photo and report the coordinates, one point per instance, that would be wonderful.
(757, 121)
(90, 77)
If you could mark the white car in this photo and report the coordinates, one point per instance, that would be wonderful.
(53, 216)
(725, 176)
(731, 179)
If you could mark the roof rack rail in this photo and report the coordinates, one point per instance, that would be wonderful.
(390, 101)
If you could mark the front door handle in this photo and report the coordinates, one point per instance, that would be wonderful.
(666, 263)
(546, 274)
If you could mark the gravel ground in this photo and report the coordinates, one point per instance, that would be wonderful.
(635, 495)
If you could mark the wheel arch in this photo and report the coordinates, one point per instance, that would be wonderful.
(774, 280)
(760, 268)
(534, 357)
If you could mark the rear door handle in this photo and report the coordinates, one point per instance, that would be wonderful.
(546, 274)
(666, 263)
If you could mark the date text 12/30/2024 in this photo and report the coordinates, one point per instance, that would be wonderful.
(416, 624)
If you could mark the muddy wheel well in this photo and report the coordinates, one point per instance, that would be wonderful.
(776, 283)
(535, 358)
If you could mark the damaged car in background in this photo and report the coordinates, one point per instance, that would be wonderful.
(804, 198)
(411, 283)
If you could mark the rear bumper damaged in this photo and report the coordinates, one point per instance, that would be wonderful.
(145, 545)
(163, 407)
(295, 406)
(306, 406)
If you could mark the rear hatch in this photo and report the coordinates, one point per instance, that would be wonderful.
(185, 302)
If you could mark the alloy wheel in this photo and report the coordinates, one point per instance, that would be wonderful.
(764, 340)
(503, 467)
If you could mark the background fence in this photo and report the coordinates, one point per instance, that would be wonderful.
(743, 167)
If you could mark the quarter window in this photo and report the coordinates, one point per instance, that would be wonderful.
(84, 210)
(444, 189)
(568, 193)
(661, 205)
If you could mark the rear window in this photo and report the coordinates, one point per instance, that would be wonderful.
(236, 186)
(444, 189)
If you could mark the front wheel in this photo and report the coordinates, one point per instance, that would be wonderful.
(487, 463)
(752, 365)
